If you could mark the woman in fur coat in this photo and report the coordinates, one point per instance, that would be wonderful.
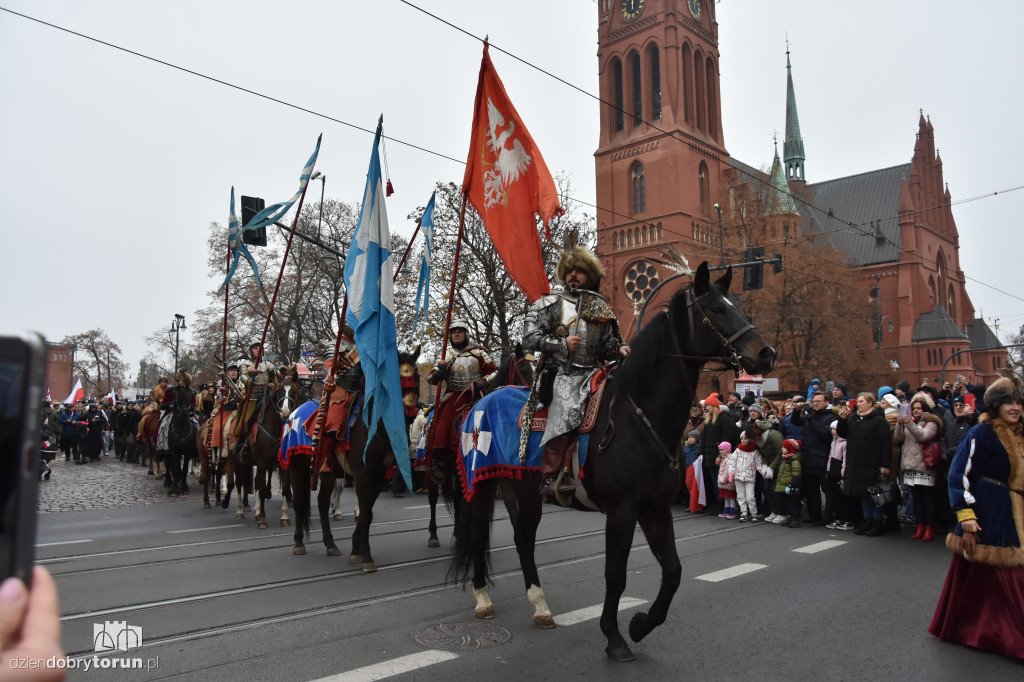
(982, 601)
(913, 433)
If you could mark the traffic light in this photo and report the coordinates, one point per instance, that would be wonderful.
(250, 207)
(753, 275)
(776, 262)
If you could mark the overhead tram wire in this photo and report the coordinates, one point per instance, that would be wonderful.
(846, 224)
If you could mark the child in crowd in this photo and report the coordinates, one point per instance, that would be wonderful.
(836, 507)
(787, 485)
(743, 467)
(694, 477)
(726, 488)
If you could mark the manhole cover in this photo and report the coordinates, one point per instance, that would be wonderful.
(455, 636)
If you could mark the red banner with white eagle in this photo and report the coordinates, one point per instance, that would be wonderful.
(508, 183)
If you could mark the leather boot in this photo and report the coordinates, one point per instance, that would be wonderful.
(918, 533)
(929, 533)
(553, 465)
(875, 529)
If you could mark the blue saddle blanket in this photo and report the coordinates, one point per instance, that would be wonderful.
(489, 447)
(294, 439)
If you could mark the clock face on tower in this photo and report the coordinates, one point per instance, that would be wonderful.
(694, 8)
(631, 9)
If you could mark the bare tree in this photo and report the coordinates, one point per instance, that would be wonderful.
(98, 361)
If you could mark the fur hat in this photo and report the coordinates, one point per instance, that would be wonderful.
(184, 376)
(923, 397)
(712, 400)
(579, 258)
(791, 445)
(1001, 392)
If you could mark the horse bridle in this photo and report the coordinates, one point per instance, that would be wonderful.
(732, 359)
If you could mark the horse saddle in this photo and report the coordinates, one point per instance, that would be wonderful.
(597, 384)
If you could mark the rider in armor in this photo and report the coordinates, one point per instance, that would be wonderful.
(183, 383)
(227, 402)
(466, 371)
(577, 332)
(259, 380)
(339, 390)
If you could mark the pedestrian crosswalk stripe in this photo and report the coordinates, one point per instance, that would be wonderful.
(726, 573)
(199, 530)
(398, 666)
(66, 542)
(592, 612)
(820, 546)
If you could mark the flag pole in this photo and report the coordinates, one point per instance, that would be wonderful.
(273, 300)
(321, 410)
(451, 293)
(407, 249)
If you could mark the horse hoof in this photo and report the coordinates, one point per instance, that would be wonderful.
(484, 612)
(545, 622)
(369, 568)
(299, 551)
(206, 505)
(433, 542)
(262, 525)
(224, 504)
(246, 508)
(286, 522)
(239, 516)
(620, 654)
(639, 626)
(355, 558)
(333, 551)
(338, 516)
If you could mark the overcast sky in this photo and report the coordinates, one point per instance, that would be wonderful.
(112, 167)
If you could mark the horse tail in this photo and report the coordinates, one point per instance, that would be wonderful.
(299, 468)
(476, 513)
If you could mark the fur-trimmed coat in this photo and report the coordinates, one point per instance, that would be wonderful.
(912, 437)
(986, 470)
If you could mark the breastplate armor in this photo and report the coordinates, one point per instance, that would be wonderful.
(463, 370)
(575, 319)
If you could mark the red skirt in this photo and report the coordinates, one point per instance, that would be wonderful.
(982, 606)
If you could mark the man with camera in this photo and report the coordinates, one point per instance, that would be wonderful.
(816, 418)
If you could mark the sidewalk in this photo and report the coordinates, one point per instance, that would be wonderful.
(106, 484)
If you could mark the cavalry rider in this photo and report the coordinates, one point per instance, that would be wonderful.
(466, 371)
(227, 402)
(340, 388)
(577, 332)
(260, 381)
(184, 383)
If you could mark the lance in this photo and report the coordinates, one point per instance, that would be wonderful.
(273, 300)
(321, 410)
(208, 441)
(451, 292)
(407, 249)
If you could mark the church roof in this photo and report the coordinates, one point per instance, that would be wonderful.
(858, 214)
(936, 325)
(793, 146)
(781, 202)
(981, 335)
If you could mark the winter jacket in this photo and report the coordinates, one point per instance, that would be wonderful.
(771, 449)
(837, 458)
(723, 473)
(817, 438)
(745, 462)
(723, 429)
(955, 433)
(913, 436)
(67, 422)
(791, 430)
(690, 454)
(813, 388)
(790, 474)
(868, 448)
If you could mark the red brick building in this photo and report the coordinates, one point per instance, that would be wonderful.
(59, 380)
(662, 165)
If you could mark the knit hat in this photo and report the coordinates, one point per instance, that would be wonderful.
(1001, 392)
(958, 399)
(748, 398)
(725, 446)
(841, 387)
(891, 400)
(883, 390)
(903, 386)
(695, 433)
(834, 424)
(755, 408)
(712, 400)
(791, 445)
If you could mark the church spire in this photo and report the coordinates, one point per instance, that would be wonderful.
(793, 146)
(781, 201)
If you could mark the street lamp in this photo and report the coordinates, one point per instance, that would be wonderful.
(176, 326)
(881, 319)
(721, 243)
(326, 257)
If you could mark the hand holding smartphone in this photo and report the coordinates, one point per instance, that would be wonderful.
(22, 365)
(906, 411)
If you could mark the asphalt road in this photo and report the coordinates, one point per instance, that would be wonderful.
(216, 598)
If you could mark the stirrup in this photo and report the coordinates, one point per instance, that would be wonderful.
(560, 497)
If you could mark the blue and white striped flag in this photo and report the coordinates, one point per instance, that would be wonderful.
(267, 216)
(423, 288)
(371, 313)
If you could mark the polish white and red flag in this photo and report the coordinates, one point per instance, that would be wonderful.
(77, 393)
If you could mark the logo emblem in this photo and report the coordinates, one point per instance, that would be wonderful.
(116, 635)
(508, 164)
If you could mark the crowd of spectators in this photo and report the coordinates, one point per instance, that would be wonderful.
(866, 463)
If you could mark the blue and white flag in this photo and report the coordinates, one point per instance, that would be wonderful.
(423, 288)
(267, 216)
(371, 313)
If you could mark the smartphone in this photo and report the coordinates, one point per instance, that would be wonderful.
(969, 399)
(906, 410)
(22, 371)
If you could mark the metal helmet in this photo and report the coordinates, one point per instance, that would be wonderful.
(459, 324)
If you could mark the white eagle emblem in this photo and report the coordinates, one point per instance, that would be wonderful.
(508, 164)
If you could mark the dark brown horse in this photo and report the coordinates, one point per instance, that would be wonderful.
(632, 466)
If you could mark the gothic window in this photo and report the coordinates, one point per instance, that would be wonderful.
(951, 302)
(711, 99)
(687, 81)
(617, 94)
(640, 280)
(618, 241)
(702, 179)
(636, 88)
(629, 235)
(661, 232)
(931, 290)
(699, 101)
(655, 71)
(639, 189)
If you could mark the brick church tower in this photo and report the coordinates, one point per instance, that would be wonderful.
(661, 158)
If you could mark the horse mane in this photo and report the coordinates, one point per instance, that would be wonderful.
(646, 351)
